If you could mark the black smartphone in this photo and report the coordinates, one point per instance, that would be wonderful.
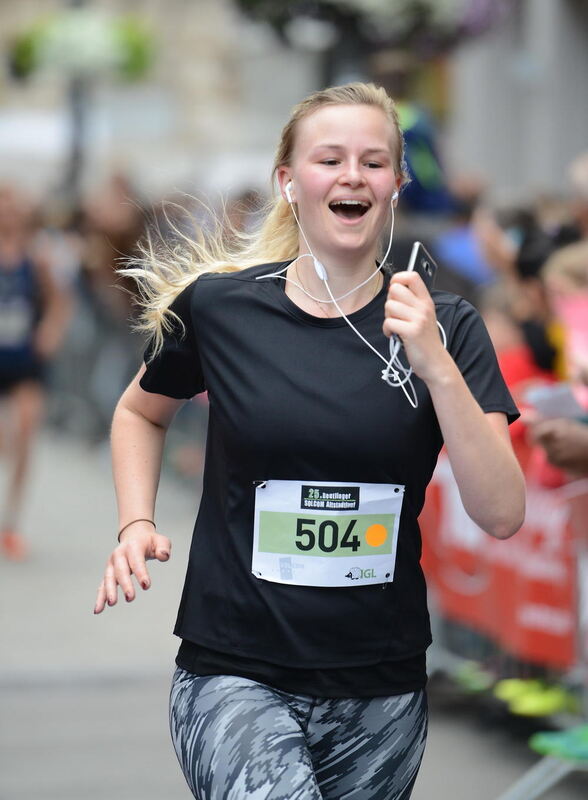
(422, 262)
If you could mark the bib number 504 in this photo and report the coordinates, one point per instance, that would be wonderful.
(327, 535)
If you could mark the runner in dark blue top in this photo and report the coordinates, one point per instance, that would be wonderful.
(33, 316)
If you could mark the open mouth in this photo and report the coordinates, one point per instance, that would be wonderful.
(349, 209)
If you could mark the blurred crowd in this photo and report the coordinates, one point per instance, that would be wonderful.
(68, 346)
(526, 269)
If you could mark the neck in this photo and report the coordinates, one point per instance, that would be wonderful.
(345, 270)
(356, 284)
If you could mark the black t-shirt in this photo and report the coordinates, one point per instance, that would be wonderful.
(297, 397)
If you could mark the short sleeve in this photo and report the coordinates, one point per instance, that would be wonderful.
(473, 352)
(176, 370)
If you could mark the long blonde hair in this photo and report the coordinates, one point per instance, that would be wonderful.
(164, 269)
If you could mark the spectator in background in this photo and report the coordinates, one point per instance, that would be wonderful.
(114, 223)
(457, 248)
(428, 191)
(542, 319)
(516, 360)
(566, 278)
(516, 250)
(578, 177)
(34, 312)
(565, 441)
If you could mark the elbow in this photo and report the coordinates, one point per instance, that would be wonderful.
(513, 507)
(506, 530)
(504, 520)
(507, 526)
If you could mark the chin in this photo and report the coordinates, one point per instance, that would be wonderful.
(345, 251)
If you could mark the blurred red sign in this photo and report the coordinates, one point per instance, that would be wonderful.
(520, 592)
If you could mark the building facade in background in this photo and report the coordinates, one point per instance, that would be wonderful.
(208, 114)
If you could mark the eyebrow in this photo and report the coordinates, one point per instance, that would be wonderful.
(368, 151)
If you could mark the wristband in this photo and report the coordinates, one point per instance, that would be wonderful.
(132, 522)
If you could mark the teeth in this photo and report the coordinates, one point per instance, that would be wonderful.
(359, 203)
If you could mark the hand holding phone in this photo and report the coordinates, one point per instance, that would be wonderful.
(422, 263)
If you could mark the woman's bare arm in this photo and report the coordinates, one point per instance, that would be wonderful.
(138, 434)
(488, 475)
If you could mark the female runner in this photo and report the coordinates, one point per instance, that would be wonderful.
(303, 620)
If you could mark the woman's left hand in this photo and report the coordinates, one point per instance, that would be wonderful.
(410, 314)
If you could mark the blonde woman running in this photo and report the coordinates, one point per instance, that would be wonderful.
(304, 624)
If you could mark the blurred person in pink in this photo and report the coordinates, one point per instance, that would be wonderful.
(517, 247)
(578, 178)
(34, 312)
(565, 440)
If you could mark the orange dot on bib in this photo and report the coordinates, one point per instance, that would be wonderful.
(376, 535)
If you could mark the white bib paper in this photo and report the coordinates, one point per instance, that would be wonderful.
(323, 533)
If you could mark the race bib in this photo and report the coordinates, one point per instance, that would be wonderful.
(326, 533)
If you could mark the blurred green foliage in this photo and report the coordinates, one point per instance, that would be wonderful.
(78, 41)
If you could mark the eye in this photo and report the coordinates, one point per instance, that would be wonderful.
(330, 162)
(373, 165)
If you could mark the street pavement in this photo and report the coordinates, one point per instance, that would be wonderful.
(83, 698)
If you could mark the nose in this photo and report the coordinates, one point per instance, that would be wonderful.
(352, 174)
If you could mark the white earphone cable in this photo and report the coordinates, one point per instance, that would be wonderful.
(395, 373)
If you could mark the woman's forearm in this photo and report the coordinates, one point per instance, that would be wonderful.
(137, 448)
(489, 478)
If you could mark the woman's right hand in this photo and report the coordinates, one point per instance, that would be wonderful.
(137, 545)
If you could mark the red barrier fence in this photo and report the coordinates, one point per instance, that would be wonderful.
(522, 592)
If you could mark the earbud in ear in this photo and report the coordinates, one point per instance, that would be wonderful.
(288, 192)
(394, 197)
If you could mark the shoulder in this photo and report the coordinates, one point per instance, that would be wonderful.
(454, 307)
(240, 284)
(235, 277)
(448, 299)
(462, 323)
(202, 295)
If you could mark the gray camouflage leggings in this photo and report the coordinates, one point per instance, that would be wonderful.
(237, 739)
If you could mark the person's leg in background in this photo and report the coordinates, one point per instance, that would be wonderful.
(25, 403)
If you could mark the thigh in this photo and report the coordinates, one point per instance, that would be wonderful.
(238, 739)
(368, 749)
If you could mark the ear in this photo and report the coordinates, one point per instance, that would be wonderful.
(285, 178)
(396, 192)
